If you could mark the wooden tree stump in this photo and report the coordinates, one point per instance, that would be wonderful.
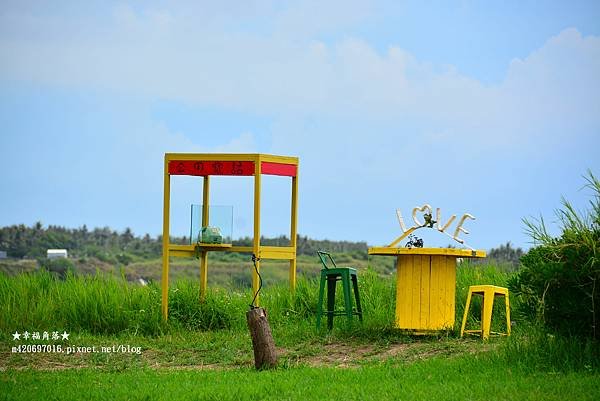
(265, 355)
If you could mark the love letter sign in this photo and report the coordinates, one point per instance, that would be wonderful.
(428, 221)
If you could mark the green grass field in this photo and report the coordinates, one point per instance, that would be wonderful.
(467, 377)
(204, 351)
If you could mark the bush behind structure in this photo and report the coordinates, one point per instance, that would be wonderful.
(559, 281)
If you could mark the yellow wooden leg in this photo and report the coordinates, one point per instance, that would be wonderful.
(165, 241)
(294, 232)
(465, 314)
(255, 282)
(256, 242)
(507, 313)
(486, 313)
(293, 276)
(205, 223)
(203, 274)
(165, 285)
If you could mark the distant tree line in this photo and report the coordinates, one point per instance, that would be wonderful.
(506, 254)
(105, 244)
(308, 246)
(111, 246)
(21, 241)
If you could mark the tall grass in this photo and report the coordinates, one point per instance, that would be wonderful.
(98, 304)
(107, 304)
(534, 347)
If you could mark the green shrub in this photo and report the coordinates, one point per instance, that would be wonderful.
(59, 267)
(124, 258)
(558, 280)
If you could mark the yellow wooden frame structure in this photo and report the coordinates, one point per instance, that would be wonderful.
(249, 165)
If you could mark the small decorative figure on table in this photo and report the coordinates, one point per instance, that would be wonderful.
(429, 221)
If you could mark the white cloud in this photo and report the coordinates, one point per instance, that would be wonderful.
(164, 54)
(558, 81)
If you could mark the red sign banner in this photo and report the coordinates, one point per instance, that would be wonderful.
(287, 170)
(202, 168)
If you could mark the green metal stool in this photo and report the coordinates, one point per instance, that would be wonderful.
(332, 275)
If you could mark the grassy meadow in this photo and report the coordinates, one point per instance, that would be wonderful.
(204, 351)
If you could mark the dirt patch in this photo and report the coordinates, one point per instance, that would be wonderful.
(394, 350)
(351, 355)
(340, 355)
(335, 354)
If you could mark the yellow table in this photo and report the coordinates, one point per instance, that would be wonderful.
(425, 285)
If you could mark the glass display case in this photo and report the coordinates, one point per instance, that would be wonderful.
(219, 229)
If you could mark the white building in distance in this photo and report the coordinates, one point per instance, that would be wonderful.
(2, 254)
(57, 254)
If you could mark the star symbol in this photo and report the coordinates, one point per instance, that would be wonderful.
(16, 336)
(65, 335)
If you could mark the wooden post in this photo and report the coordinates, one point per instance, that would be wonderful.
(256, 240)
(265, 355)
(204, 253)
(294, 232)
(164, 278)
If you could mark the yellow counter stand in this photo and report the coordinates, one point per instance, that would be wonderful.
(425, 286)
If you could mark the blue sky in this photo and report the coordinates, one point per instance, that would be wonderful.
(488, 109)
